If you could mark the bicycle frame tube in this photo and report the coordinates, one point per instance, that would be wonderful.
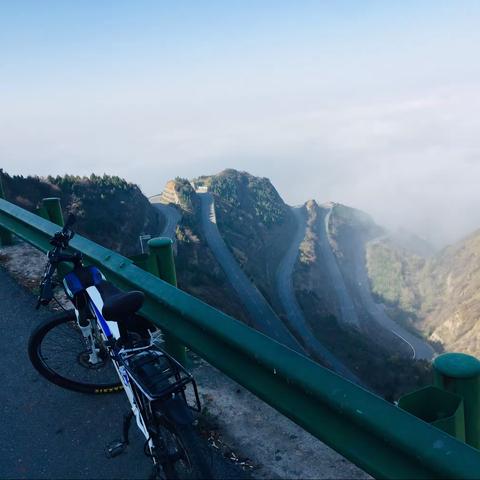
(109, 330)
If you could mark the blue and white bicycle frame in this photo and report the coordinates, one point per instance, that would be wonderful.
(110, 334)
(94, 324)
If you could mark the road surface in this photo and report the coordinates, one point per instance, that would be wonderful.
(264, 318)
(51, 433)
(172, 217)
(417, 347)
(289, 302)
(348, 314)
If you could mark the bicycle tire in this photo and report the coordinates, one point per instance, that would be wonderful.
(64, 326)
(197, 465)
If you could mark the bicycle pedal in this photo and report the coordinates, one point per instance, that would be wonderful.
(115, 448)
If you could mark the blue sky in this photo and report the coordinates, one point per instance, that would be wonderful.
(370, 103)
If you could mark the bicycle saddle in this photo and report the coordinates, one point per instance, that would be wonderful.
(122, 304)
(118, 305)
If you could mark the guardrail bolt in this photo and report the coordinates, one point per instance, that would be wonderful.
(460, 373)
(5, 235)
(161, 263)
(53, 209)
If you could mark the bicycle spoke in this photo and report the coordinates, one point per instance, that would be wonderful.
(65, 352)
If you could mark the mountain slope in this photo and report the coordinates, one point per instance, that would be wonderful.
(109, 210)
(255, 223)
(198, 271)
(450, 289)
(263, 317)
(438, 296)
(387, 369)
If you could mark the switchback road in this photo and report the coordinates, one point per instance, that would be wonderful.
(264, 318)
(348, 314)
(416, 346)
(286, 293)
(172, 217)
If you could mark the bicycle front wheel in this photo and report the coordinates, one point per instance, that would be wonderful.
(58, 351)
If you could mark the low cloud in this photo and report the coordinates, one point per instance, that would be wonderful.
(411, 161)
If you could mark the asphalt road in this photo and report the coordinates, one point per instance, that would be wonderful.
(49, 432)
(289, 302)
(348, 314)
(264, 318)
(417, 347)
(172, 217)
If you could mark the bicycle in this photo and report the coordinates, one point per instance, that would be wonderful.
(102, 346)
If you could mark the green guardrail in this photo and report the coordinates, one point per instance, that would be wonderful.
(380, 438)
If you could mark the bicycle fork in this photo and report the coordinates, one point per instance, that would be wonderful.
(86, 327)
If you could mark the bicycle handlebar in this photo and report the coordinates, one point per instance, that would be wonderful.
(60, 242)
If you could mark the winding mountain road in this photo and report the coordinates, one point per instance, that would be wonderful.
(172, 217)
(289, 302)
(264, 318)
(348, 314)
(418, 347)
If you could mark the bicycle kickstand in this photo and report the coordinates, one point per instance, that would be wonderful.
(118, 446)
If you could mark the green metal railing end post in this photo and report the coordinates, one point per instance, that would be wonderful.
(54, 210)
(162, 264)
(438, 407)
(459, 373)
(5, 235)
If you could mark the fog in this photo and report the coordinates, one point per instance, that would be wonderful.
(410, 161)
(370, 104)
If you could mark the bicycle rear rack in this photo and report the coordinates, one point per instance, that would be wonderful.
(158, 375)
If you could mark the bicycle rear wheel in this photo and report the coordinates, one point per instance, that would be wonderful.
(59, 353)
(183, 457)
(198, 461)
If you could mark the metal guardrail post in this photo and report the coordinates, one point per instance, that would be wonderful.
(460, 373)
(5, 235)
(53, 209)
(162, 264)
(438, 407)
